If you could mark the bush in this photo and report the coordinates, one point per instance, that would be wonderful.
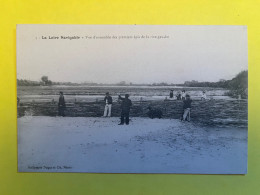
(239, 85)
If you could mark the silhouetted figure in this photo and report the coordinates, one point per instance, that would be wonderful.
(204, 96)
(125, 109)
(171, 94)
(108, 105)
(154, 113)
(178, 96)
(183, 94)
(186, 108)
(61, 105)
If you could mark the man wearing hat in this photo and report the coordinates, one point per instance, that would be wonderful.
(61, 105)
(108, 105)
(125, 109)
(186, 108)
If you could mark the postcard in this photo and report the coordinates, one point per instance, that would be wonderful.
(132, 98)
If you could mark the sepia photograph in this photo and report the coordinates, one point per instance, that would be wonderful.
(132, 98)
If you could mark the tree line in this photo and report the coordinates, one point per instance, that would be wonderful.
(44, 81)
(237, 86)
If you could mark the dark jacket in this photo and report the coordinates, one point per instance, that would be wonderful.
(187, 103)
(178, 96)
(61, 102)
(108, 99)
(126, 104)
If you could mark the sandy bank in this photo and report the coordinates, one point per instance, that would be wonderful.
(79, 144)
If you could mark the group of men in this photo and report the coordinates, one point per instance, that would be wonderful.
(182, 95)
(186, 102)
(126, 104)
(152, 113)
(179, 96)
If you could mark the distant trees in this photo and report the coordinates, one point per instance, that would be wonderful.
(122, 83)
(239, 85)
(193, 82)
(220, 84)
(165, 84)
(24, 82)
(46, 81)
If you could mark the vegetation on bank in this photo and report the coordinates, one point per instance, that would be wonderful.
(44, 81)
(237, 86)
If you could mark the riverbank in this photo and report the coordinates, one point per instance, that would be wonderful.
(221, 113)
(79, 144)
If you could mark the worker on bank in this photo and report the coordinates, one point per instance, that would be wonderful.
(183, 94)
(108, 105)
(186, 108)
(204, 96)
(61, 105)
(125, 109)
(171, 94)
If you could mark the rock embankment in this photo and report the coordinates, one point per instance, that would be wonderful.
(209, 112)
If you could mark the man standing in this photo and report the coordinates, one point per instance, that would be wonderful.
(186, 108)
(204, 96)
(171, 94)
(108, 101)
(183, 95)
(61, 105)
(125, 109)
(178, 96)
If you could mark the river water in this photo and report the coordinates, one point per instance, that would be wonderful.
(96, 93)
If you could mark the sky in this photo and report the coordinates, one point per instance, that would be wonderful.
(132, 53)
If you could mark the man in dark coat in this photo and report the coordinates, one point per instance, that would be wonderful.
(186, 108)
(108, 105)
(61, 105)
(171, 94)
(125, 109)
(178, 96)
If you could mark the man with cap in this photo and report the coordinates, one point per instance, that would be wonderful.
(171, 94)
(61, 105)
(108, 105)
(125, 109)
(186, 108)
